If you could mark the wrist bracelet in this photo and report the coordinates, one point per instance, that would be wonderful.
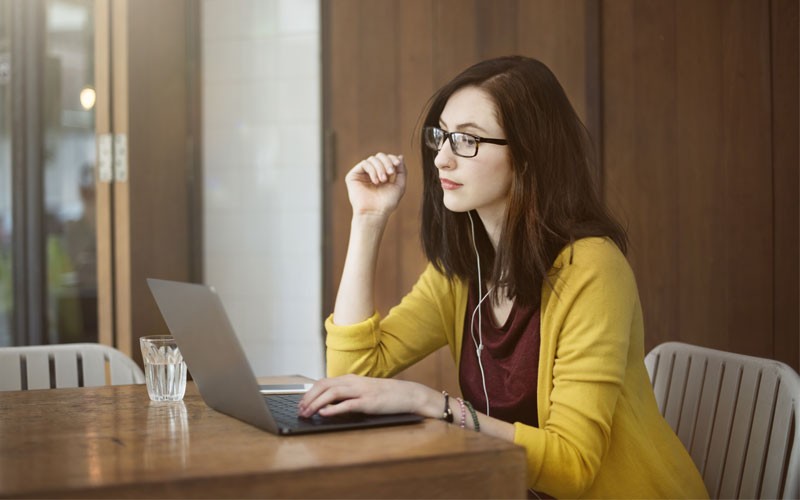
(463, 413)
(447, 414)
(474, 416)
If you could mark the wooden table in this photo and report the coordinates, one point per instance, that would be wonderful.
(114, 442)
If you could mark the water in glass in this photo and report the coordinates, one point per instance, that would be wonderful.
(166, 381)
(165, 370)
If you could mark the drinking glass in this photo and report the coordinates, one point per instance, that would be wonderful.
(164, 368)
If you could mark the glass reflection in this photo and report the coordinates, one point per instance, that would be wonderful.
(69, 193)
(6, 296)
(167, 437)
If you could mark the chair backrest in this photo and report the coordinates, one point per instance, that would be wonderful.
(737, 415)
(65, 365)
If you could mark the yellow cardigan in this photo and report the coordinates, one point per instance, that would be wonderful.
(600, 432)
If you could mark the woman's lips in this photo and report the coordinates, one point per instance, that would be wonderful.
(449, 185)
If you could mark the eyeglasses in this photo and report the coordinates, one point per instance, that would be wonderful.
(464, 145)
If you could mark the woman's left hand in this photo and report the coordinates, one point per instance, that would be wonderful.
(353, 393)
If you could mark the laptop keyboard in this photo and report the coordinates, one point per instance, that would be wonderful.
(284, 411)
(283, 406)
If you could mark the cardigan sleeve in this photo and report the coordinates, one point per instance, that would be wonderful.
(590, 316)
(382, 347)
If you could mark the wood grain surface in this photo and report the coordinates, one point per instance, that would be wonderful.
(114, 442)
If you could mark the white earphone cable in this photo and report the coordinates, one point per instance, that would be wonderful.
(481, 297)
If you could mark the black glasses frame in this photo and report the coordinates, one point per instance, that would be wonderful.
(428, 132)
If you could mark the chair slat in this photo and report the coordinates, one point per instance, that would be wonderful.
(723, 421)
(94, 372)
(662, 380)
(651, 364)
(705, 414)
(777, 454)
(691, 401)
(120, 373)
(66, 367)
(677, 387)
(29, 367)
(759, 435)
(740, 431)
(38, 371)
(10, 374)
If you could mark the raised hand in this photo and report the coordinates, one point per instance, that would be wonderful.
(376, 185)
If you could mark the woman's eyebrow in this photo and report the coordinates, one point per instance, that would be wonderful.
(464, 125)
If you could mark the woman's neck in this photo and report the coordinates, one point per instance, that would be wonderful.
(493, 223)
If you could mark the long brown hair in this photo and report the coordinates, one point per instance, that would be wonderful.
(553, 199)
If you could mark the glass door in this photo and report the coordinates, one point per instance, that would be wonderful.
(48, 258)
(83, 211)
(69, 166)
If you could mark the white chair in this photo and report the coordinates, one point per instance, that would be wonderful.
(65, 365)
(737, 415)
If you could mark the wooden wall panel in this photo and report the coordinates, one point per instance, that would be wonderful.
(152, 208)
(688, 163)
(497, 34)
(121, 250)
(639, 155)
(556, 34)
(786, 170)
(702, 260)
(102, 81)
(747, 157)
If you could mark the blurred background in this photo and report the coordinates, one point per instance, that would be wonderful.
(206, 141)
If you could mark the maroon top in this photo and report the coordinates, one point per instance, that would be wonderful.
(510, 361)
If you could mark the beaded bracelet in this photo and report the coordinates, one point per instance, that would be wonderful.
(447, 414)
(463, 413)
(474, 416)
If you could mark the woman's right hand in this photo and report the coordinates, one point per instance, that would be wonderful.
(376, 184)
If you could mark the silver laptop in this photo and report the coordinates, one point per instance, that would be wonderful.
(197, 319)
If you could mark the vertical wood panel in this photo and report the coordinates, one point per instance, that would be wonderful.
(159, 156)
(640, 158)
(747, 154)
(688, 165)
(786, 167)
(701, 205)
(555, 33)
(497, 28)
(151, 207)
(121, 196)
(455, 38)
(103, 203)
(654, 114)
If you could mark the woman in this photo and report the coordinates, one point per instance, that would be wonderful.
(527, 284)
